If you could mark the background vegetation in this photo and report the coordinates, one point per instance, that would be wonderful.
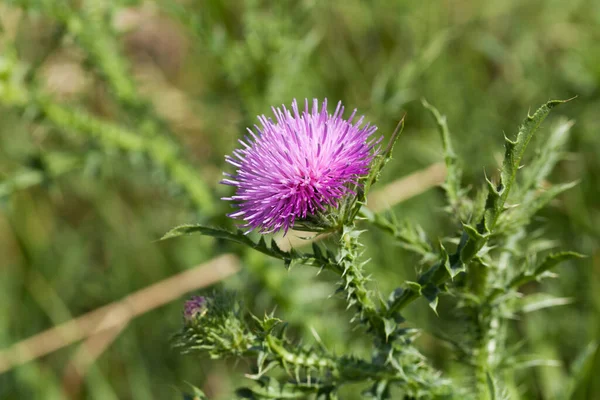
(116, 115)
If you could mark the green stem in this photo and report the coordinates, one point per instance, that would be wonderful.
(481, 370)
(483, 316)
(354, 282)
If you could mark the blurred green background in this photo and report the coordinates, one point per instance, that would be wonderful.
(81, 205)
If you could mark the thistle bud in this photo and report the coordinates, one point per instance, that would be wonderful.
(194, 308)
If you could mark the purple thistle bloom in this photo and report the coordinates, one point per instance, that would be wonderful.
(194, 307)
(298, 165)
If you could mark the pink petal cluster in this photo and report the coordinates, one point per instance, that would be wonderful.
(298, 165)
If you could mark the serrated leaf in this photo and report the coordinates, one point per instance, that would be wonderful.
(475, 237)
(189, 229)
(389, 327)
(543, 267)
(533, 203)
(430, 292)
(514, 151)
(241, 238)
(546, 158)
(453, 175)
(554, 259)
(452, 270)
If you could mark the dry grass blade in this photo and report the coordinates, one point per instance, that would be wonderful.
(87, 353)
(119, 313)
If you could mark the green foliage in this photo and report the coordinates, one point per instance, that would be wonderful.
(471, 268)
(222, 332)
(473, 239)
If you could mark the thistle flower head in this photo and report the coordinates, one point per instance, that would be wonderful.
(196, 306)
(298, 165)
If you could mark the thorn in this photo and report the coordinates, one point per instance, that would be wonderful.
(508, 140)
(529, 116)
(553, 103)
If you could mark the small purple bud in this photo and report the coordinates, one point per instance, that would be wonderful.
(195, 307)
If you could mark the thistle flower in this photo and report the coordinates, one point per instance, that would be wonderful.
(298, 165)
(194, 307)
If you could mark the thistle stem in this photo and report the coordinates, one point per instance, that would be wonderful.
(354, 282)
(481, 368)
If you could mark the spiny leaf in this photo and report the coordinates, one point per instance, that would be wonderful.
(474, 238)
(531, 204)
(453, 177)
(554, 259)
(274, 251)
(189, 229)
(430, 292)
(545, 158)
(390, 326)
(546, 265)
(453, 270)
(514, 151)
